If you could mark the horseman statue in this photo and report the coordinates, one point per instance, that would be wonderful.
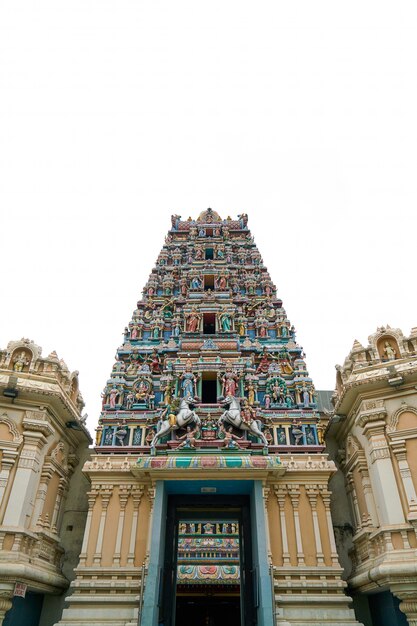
(241, 418)
(176, 415)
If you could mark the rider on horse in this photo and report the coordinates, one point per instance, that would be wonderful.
(170, 412)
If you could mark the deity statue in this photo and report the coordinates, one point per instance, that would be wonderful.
(175, 221)
(155, 363)
(114, 396)
(20, 361)
(121, 432)
(306, 397)
(221, 282)
(243, 221)
(219, 251)
(196, 282)
(176, 327)
(225, 320)
(188, 381)
(297, 432)
(183, 285)
(192, 321)
(199, 253)
(263, 366)
(250, 388)
(168, 389)
(230, 381)
(142, 391)
(241, 326)
(267, 401)
(130, 398)
(389, 352)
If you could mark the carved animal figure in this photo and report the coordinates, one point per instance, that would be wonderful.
(232, 416)
(185, 415)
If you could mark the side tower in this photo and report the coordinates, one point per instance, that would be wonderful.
(43, 506)
(209, 500)
(373, 438)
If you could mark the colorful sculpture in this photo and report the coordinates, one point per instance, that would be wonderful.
(209, 324)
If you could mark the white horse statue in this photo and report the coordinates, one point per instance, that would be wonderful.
(232, 416)
(185, 415)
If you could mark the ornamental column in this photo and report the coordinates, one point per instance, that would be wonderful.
(400, 451)
(137, 494)
(312, 494)
(41, 495)
(265, 492)
(21, 500)
(123, 498)
(381, 470)
(325, 496)
(280, 493)
(105, 493)
(408, 605)
(294, 493)
(92, 496)
(351, 490)
(7, 461)
(6, 594)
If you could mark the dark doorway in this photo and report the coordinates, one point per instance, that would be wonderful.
(209, 388)
(209, 282)
(209, 323)
(209, 253)
(207, 604)
(208, 610)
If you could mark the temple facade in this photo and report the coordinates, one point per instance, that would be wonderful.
(372, 436)
(43, 503)
(209, 500)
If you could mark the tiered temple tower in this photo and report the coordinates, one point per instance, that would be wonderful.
(209, 478)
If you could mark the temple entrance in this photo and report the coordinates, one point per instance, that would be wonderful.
(208, 572)
(208, 610)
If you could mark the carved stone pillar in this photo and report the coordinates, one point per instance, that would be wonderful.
(294, 493)
(92, 496)
(280, 493)
(351, 490)
(57, 506)
(400, 451)
(7, 461)
(5, 603)
(123, 498)
(137, 493)
(265, 492)
(408, 606)
(367, 492)
(381, 470)
(41, 495)
(312, 494)
(325, 496)
(21, 500)
(105, 493)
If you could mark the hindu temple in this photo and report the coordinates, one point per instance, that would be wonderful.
(209, 500)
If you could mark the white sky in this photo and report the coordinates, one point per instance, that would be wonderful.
(115, 114)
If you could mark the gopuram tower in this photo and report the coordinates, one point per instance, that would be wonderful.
(209, 500)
